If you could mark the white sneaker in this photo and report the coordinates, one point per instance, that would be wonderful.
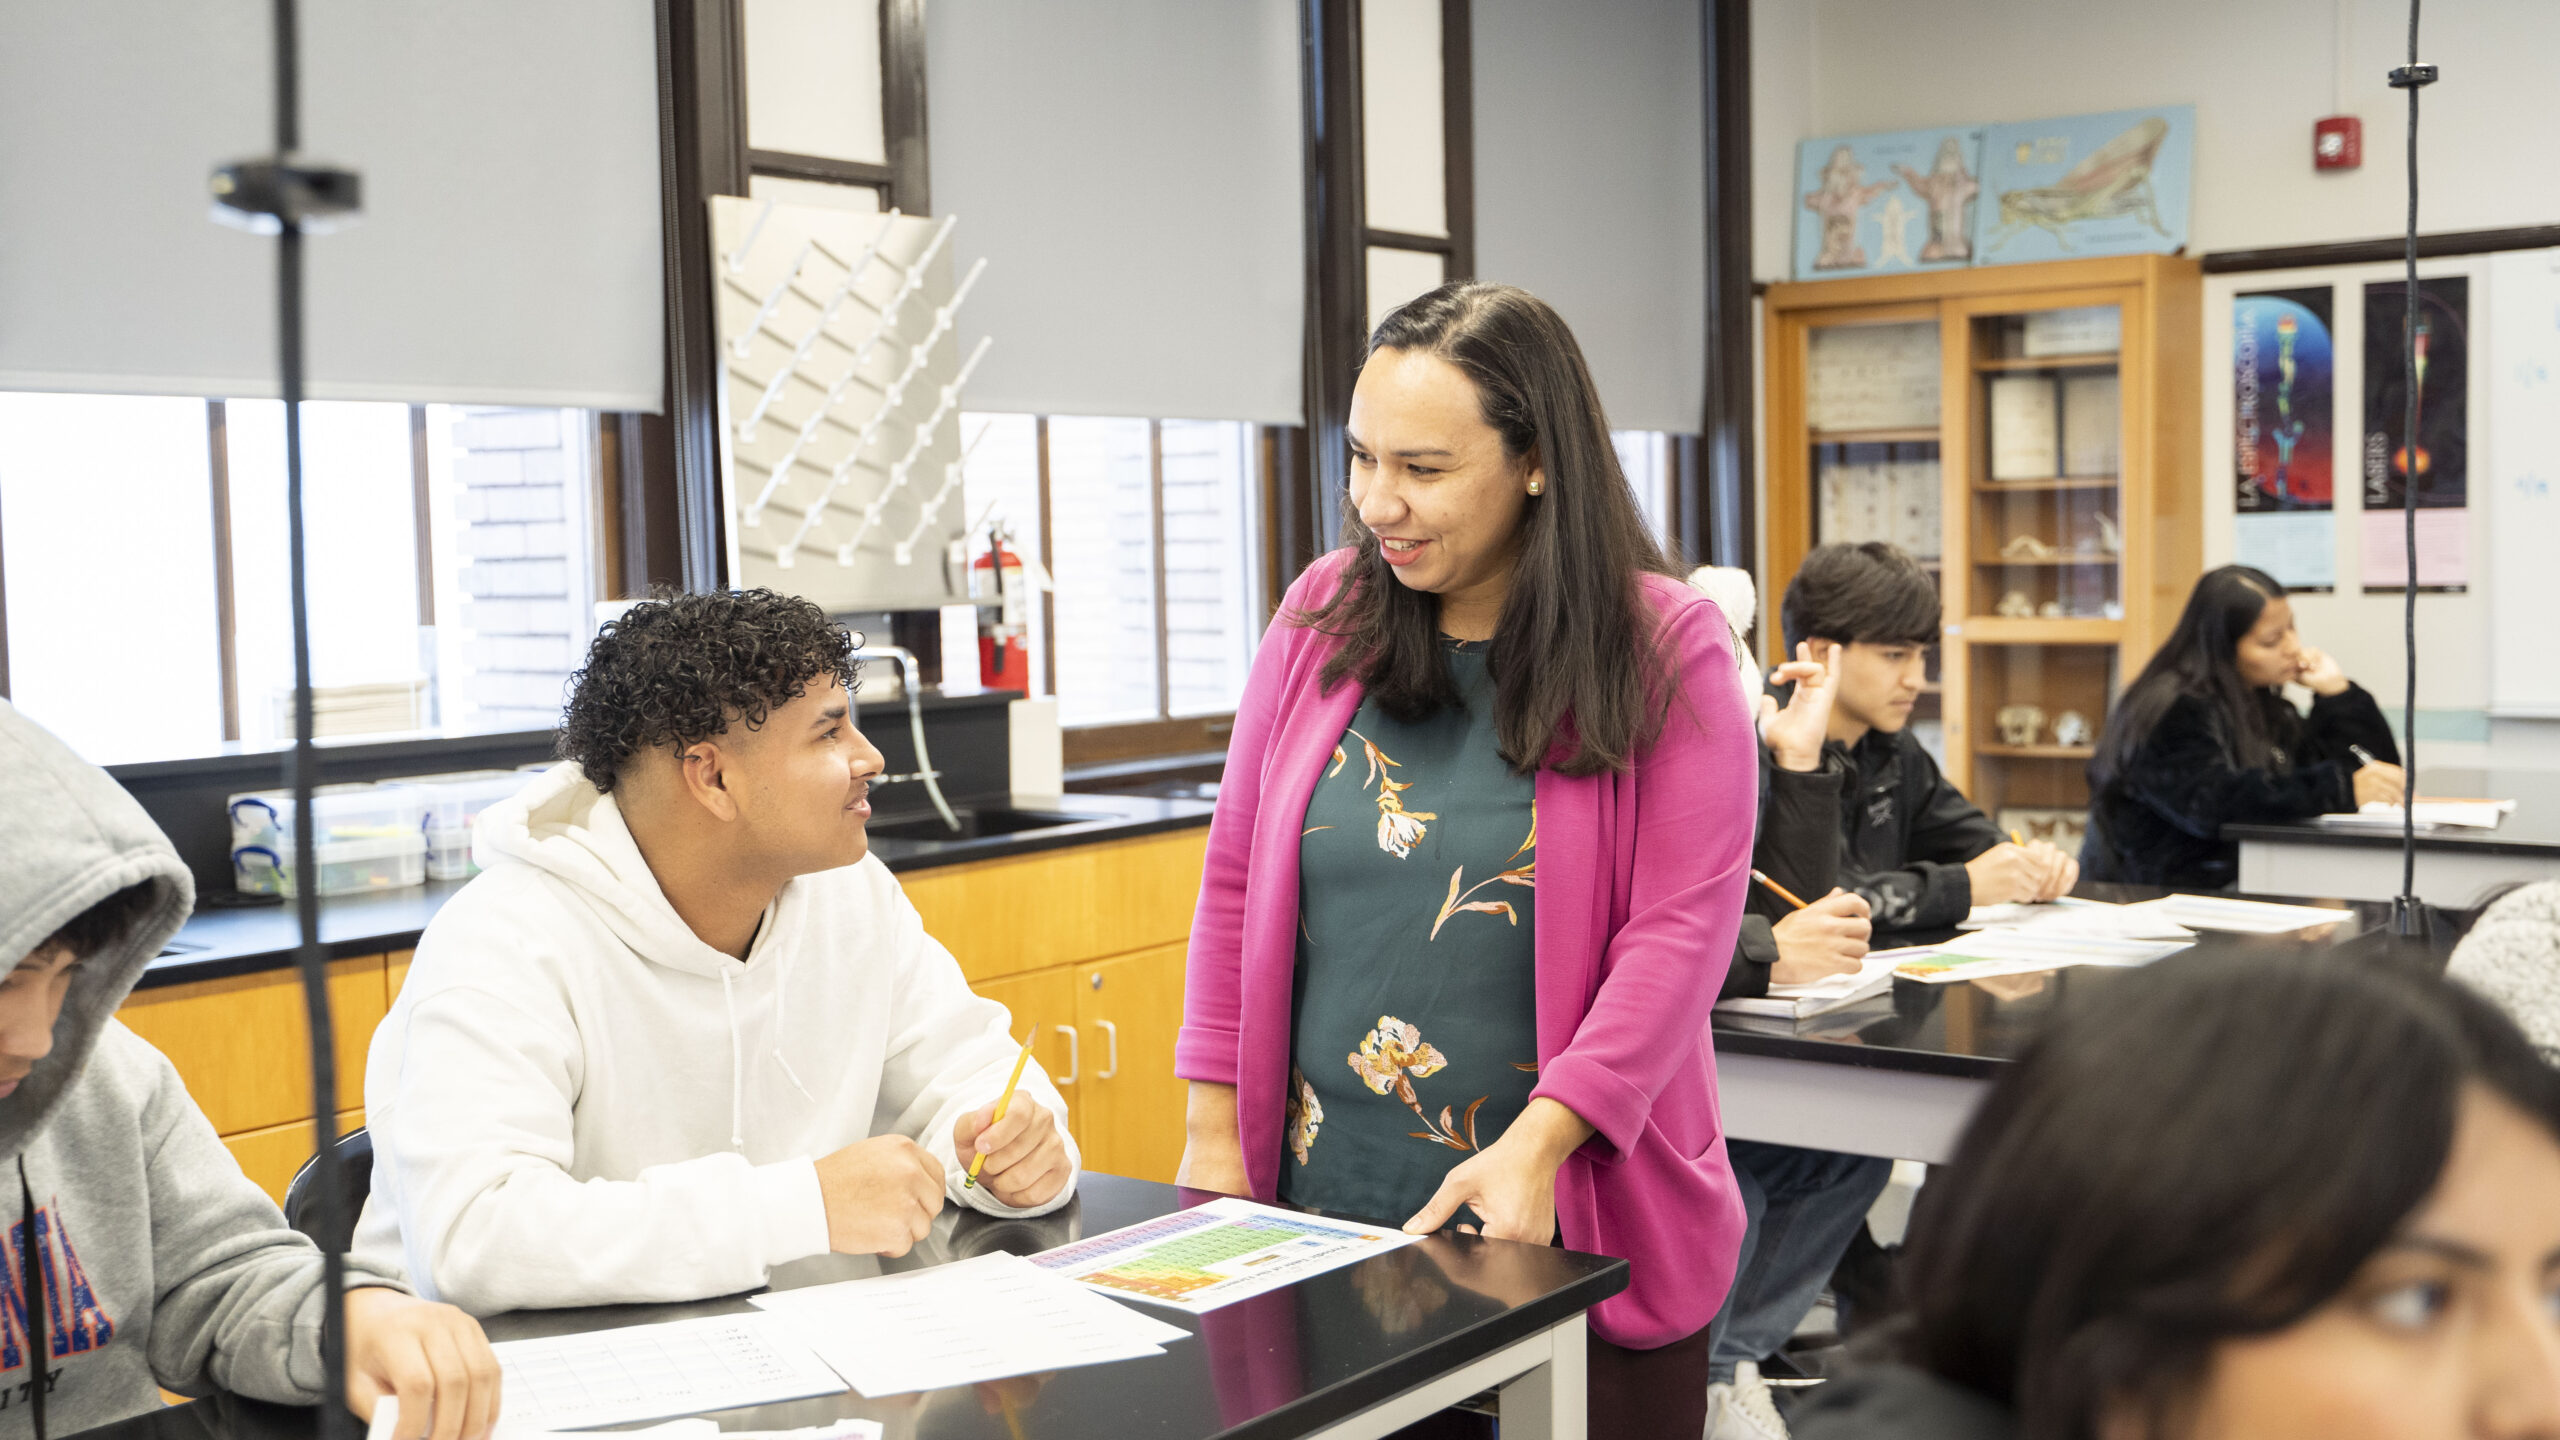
(1744, 1410)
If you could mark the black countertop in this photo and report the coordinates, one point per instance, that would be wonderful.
(1974, 1028)
(2534, 828)
(221, 940)
(1280, 1365)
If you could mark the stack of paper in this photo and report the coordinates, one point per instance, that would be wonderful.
(962, 1323)
(2248, 917)
(2070, 916)
(2017, 952)
(649, 1372)
(2463, 814)
(1874, 976)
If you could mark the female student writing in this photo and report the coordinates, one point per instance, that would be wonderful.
(1479, 855)
(2205, 738)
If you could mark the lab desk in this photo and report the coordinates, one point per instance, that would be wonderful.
(1899, 1075)
(1353, 1353)
(2456, 866)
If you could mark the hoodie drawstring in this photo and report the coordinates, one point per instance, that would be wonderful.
(31, 1289)
(781, 1013)
(737, 1069)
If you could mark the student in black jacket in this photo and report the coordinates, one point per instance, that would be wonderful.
(2205, 738)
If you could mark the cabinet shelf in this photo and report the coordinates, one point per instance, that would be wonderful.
(2059, 482)
(1904, 435)
(2005, 630)
(2049, 562)
(1995, 364)
(2038, 752)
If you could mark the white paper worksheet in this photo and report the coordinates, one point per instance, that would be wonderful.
(962, 1323)
(649, 1372)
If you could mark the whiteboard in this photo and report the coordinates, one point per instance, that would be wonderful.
(2522, 490)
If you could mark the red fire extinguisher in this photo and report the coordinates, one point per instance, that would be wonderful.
(1004, 609)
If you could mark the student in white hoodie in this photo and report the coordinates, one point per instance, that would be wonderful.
(684, 1028)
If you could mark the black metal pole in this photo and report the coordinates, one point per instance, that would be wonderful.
(2408, 916)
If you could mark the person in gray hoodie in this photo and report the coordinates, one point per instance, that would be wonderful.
(154, 1261)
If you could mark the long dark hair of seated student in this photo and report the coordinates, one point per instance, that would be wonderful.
(2204, 737)
(2271, 1197)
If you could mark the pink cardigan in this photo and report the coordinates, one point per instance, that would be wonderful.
(1640, 889)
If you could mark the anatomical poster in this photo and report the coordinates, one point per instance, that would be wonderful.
(2436, 467)
(2078, 185)
(2283, 451)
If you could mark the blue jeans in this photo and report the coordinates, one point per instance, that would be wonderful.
(1804, 1207)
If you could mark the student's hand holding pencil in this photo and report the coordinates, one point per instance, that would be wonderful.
(1826, 937)
(1021, 1157)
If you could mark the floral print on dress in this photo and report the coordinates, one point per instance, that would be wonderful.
(1398, 828)
(1523, 875)
(1306, 1113)
(1391, 1058)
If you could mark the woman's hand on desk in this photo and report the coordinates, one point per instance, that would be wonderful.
(1511, 1183)
(1212, 1152)
(1026, 1158)
(881, 1195)
(2385, 784)
(432, 1358)
(1827, 937)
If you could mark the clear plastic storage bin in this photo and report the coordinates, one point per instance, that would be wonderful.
(366, 837)
(451, 803)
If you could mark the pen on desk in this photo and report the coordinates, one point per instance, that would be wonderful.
(1781, 891)
(1002, 1101)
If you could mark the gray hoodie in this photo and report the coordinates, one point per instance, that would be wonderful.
(163, 1263)
(2512, 955)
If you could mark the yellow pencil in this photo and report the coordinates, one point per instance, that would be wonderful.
(1001, 1102)
(2017, 839)
(1781, 891)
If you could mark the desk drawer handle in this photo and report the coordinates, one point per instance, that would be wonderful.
(1111, 1066)
(1075, 1054)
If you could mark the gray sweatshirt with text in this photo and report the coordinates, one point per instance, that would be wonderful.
(163, 1264)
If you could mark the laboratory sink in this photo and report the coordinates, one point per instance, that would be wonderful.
(975, 824)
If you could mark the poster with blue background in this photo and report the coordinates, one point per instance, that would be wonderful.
(1882, 204)
(2284, 444)
(2082, 185)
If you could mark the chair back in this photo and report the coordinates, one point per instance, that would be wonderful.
(302, 1207)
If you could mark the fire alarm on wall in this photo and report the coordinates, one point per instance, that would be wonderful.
(2337, 143)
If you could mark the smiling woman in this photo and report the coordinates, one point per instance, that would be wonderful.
(1499, 656)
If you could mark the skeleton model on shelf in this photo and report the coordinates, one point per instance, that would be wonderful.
(2071, 728)
(2016, 605)
(840, 399)
(2027, 547)
(2019, 725)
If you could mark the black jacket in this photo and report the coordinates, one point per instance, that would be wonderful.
(1906, 834)
(1896, 1402)
(1798, 845)
(2159, 821)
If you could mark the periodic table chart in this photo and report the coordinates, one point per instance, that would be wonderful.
(1216, 1254)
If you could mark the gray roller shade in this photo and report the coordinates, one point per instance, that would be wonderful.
(1591, 188)
(509, 250)
(1132, 173)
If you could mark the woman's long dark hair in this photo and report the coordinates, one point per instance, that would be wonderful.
(2204, 1150)
(2200, 659)
(1577, 680)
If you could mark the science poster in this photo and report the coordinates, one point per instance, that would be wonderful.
(2079, 185)
(2436, 467)
(2282, 366)
(1882, 204)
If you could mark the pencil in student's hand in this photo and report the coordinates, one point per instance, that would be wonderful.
(2017, 839)
(1781, 891)
(971, 1183)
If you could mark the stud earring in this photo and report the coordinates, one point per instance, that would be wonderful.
(1537, 487)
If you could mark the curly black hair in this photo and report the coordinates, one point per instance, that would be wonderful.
(680, 668)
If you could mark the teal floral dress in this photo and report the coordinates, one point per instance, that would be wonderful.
(1413, 1016)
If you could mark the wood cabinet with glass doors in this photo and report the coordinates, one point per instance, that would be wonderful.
(2029, 433)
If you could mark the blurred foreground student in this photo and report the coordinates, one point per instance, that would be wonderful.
(157, 1263)
(2204, 738)
(2512, 955)
(2239, 1200)
(684, 1029)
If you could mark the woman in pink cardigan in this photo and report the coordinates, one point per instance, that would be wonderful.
(1479, 855)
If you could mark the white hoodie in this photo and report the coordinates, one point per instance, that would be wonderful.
(576, 1101)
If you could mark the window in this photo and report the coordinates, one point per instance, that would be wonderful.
(452, 557)
(1416, 205)
(1645, 458)
(1153, 550)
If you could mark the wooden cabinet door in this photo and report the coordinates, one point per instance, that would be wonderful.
(241, 1046)
(1047, 998)
(272, 1155)
(1129, 1010)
